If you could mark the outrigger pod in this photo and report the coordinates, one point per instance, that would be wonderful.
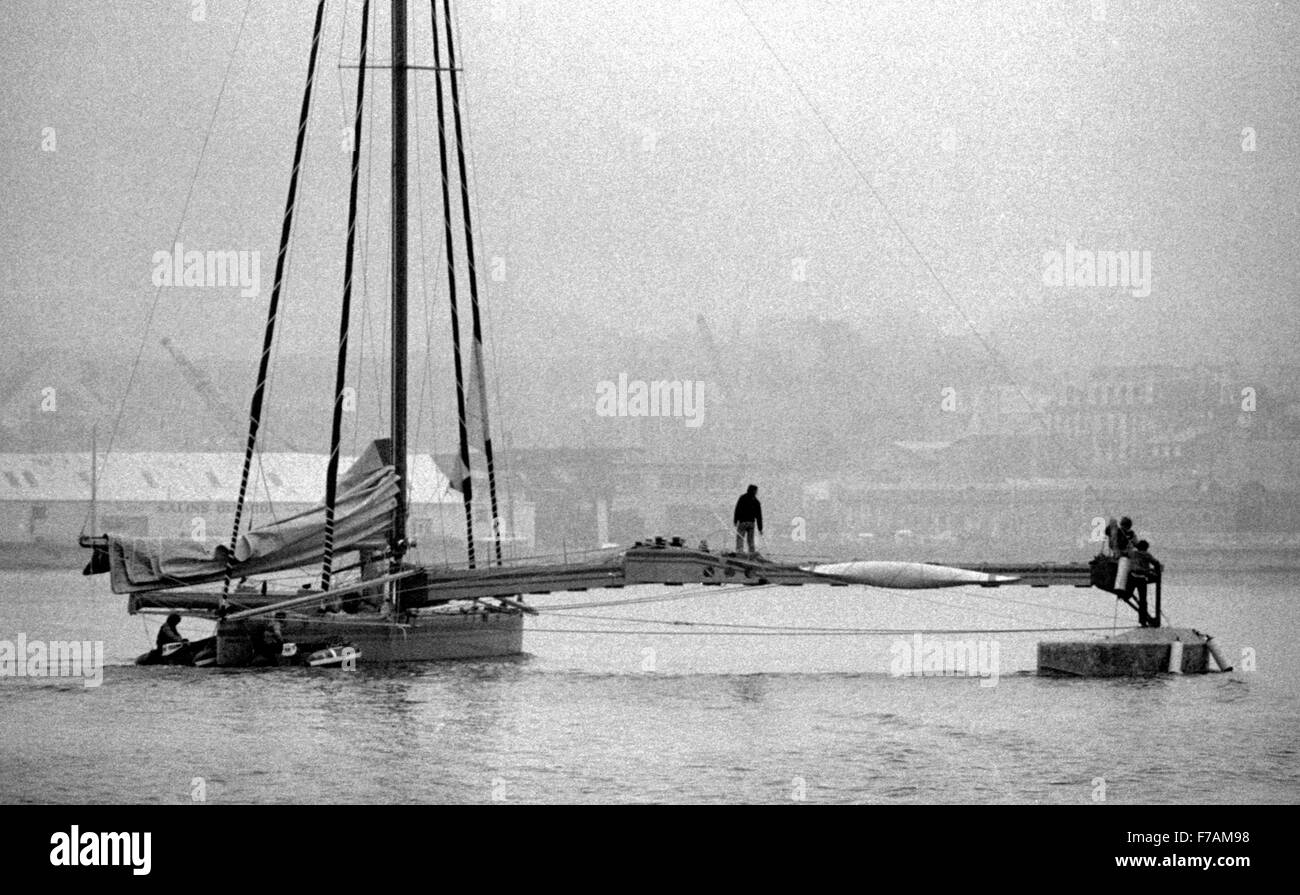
(908, 575)
(1138, 652)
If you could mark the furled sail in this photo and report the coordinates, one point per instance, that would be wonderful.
(367, 497)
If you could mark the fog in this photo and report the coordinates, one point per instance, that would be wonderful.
(859, 200)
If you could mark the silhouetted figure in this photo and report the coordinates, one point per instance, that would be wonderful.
(1146, 568)
(1112, 538)
(1127, 537)
(748, 517)
(170, 631)
(271, 643)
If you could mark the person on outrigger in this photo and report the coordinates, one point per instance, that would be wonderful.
(169, 632)
(1112, 538)
(271, 644)
(1119, 537)
(747, 517)
(1127, 537)
(1145, 568)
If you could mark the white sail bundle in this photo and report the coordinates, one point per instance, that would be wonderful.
(363, 515)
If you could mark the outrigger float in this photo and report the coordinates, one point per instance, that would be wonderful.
(1151, 649)
(381, 608)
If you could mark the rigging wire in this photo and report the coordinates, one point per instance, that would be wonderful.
(366, 323)
(476, 326)
(463, 471)
(795, 629)
(426, 374)
(662, 598)
(991, 349)
(343, 87)
(259, 392)
(731, 591)
(1001, 599)
(494, 363)
(846, 632)
(180, 225)
(345, 313)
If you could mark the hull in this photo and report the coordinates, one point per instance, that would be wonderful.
(424, 638)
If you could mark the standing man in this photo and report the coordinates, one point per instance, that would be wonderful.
(1146, 568)
(747, 517)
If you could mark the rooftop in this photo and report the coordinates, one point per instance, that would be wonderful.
(159, 476)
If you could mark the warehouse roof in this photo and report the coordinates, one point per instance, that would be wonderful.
(157, 476)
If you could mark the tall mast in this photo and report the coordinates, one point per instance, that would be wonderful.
(399, 275)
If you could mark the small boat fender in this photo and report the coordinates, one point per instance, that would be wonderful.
(1121, 574)
(1217, 654)
(335, 657)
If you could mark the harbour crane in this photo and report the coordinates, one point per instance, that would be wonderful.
(212, 398)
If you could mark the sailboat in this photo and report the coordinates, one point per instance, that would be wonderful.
(389, 609)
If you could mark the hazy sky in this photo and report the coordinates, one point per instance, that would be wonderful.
(638, 163)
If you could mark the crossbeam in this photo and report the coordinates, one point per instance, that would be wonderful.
(644, 564)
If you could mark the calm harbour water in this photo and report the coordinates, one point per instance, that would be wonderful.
(644, 717)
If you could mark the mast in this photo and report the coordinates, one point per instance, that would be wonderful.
(398, 236)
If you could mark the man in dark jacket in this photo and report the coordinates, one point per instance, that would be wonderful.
(170, 631)
(747, 517)
(270, 645)
(1127, 537)
(1146, 568)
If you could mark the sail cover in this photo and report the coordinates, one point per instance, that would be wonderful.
(367, 496)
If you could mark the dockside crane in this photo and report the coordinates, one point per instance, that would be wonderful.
(199, 381)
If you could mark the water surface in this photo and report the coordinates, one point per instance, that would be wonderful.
(604, 709)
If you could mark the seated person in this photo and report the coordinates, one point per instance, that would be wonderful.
(1126, 537)
(1112, 538)
(170, 632)
(271, 643)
